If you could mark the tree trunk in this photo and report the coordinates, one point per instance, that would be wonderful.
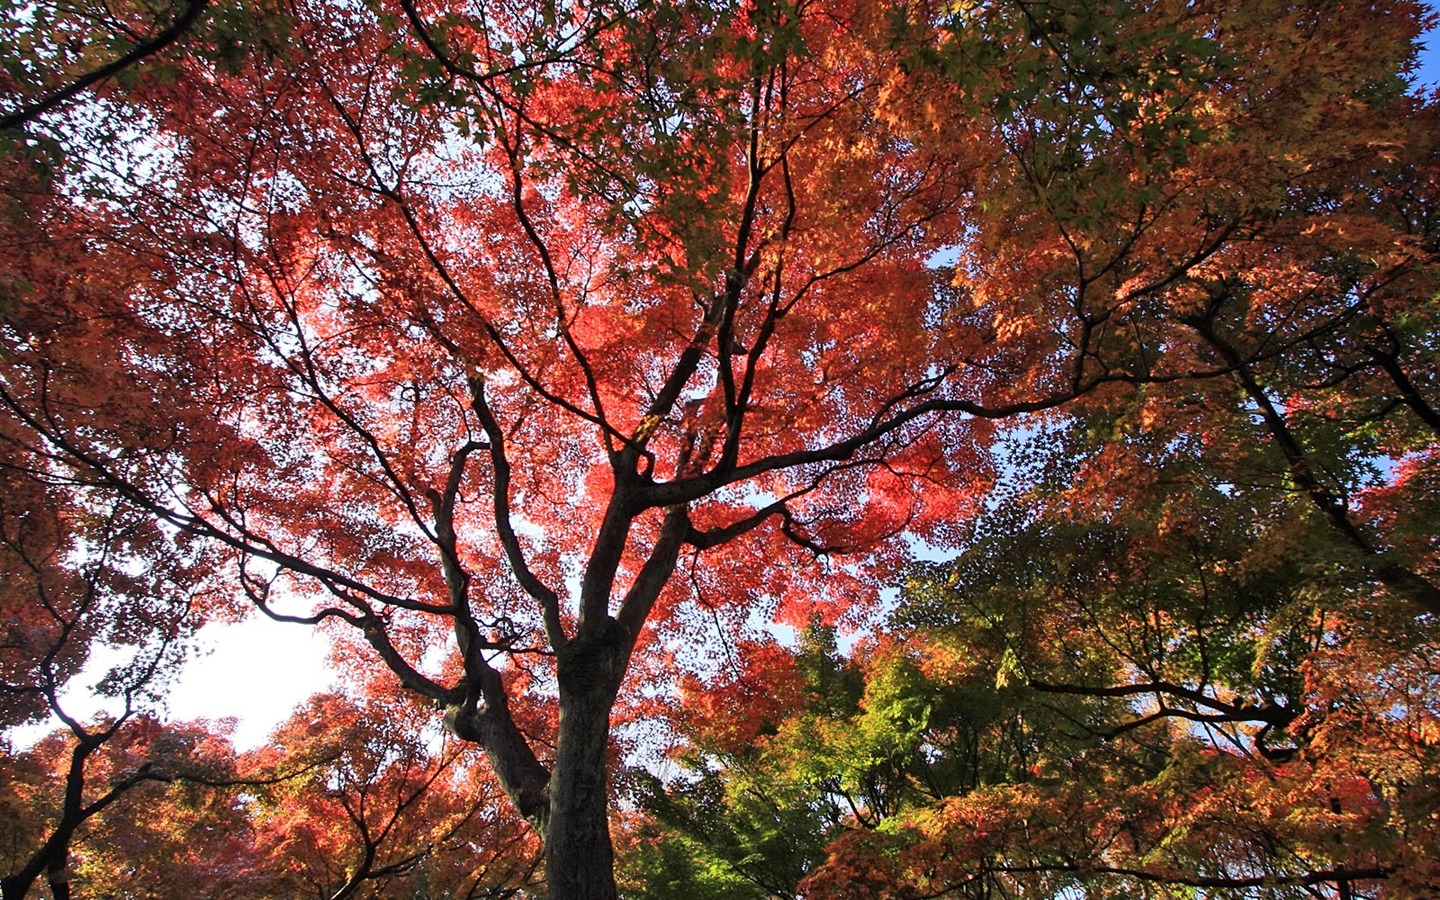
(58, 874)
(52, 858)
(579, 858)
(54, 855)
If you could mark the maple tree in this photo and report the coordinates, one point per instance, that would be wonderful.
(86, 584)
(98, 598)
(534, 341)
(54, 52)
(384, 807)
(172, 829)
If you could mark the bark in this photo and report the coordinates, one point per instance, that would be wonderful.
(54, 855)
(522, 776)
(579, 858)
(58, 875)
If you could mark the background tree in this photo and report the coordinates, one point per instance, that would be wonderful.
(180, 830)
(389, 806)
(736, 820)
(95, 598)
(1183, 689)
(521, 339)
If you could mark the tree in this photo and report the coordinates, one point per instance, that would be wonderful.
(174, 830)
(1148, 683)
(738, 821)
(1183, 669)
(86, 585)
(97, 596)
(386, 806)
(518, 338)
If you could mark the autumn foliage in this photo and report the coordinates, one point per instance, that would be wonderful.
(595, 374)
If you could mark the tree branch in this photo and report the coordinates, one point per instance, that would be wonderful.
(27, 113)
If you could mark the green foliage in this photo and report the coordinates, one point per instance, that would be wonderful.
(669, 865)
(759, 817)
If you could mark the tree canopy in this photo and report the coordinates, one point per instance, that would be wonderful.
(594, 373)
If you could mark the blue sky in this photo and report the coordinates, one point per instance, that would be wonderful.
(1428, 74)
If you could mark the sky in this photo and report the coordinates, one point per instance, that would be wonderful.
(256, 671)
(1428, 73)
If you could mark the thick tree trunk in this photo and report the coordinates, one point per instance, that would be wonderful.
(52, 858)
(579, 858)
(58, 874)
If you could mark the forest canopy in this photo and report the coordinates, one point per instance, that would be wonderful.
(751, 448)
